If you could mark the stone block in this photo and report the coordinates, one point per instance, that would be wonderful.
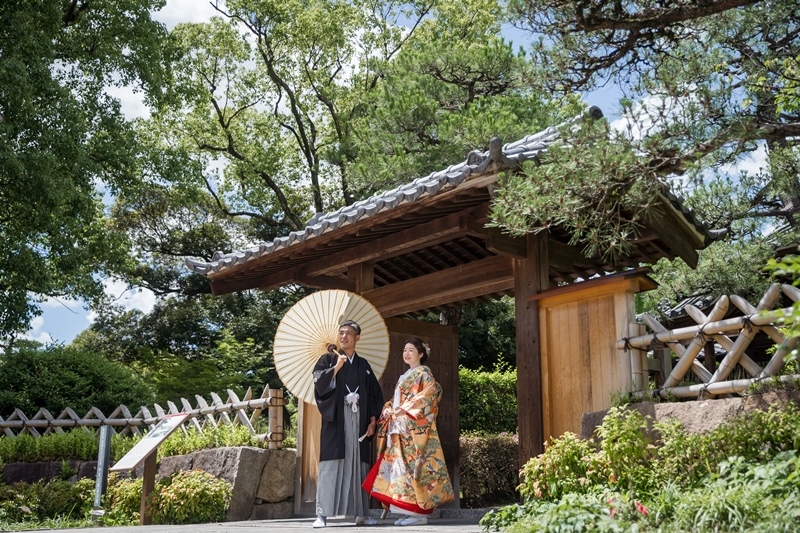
(246, 466)
(240, 466)
(273, 511)
(31, 472)
(277, 477)
(87, 469)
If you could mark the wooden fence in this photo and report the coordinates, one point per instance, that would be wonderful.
(233, 411)
(733, 335)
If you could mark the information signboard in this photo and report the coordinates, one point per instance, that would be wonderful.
(149, 442)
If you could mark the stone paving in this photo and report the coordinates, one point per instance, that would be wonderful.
(295, 525)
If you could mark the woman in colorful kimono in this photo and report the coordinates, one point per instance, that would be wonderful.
(410, 477)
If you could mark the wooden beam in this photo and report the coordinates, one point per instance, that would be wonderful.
(470, 280)
(278, 279)
(564, 257)
(325, 282)
(402, 242)
(645, 283)
(530, 277)
(503, 244)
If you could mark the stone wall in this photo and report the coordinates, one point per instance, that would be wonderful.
(699, 416)
(262, 480)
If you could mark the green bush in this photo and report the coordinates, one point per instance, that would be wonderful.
(563, 468)
(190, 497)
(487, 400)
(222, 436)
(743, 496)
(571, 514)
(757, 437)
(59, 377)
(626, 450)
(34, 502)
(488, 469)
(123, 501)
(741, 476)
(83, 444)
(76, 444)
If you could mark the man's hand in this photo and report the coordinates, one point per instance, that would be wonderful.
(371, 427)
(339, 363)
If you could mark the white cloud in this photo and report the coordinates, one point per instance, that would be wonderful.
(752, 163)
(138, 298)
(36, 332)
(131, 102)
(177, 11)
(647, 112)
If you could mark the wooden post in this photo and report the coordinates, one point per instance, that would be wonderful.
(148, 484)
(530, 277)
(710, 357)
(275, 419)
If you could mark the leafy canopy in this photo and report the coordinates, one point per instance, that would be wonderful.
(62, 136)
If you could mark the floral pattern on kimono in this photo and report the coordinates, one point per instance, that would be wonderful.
(410, 472)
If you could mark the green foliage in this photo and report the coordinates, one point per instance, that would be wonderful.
(82, 445)
(191, 497)
(724, 267)
(626, 449)
(122, 501)
(742, 496)
(592, 185)
(189, 346)
(503, 517)
(76, 444)
(487, 400)
(488, 469)
(571, 514)
(788, 267)
(58, 377)
(61, 136)
(566, 466)
(35, 502)
(757, 437)
(180, 443)
(487, 335)
(740, 476)
(695, 114)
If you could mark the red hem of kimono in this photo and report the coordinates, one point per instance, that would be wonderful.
(369, 481)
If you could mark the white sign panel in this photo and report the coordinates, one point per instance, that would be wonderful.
(150, 442)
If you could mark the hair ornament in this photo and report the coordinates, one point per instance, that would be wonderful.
(427, 348)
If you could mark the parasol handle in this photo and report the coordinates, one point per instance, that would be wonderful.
(334, 350)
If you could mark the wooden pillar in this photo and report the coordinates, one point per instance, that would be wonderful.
(710, 357)
(530, 277)
(148, 484)
(364, 276)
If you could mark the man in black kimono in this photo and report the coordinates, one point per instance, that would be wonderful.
(350, 399)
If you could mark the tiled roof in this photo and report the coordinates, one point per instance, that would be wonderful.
(510, 156)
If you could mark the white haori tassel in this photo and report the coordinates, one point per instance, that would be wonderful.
(352, 399)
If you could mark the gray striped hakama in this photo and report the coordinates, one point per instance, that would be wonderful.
(339, 489)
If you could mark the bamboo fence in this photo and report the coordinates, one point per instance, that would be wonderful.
(233, 411)
(688, 342)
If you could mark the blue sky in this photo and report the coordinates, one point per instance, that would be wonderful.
(62, 320)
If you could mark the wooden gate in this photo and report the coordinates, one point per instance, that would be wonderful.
(581, 366)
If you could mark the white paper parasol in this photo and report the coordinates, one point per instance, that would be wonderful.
(312, 323)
